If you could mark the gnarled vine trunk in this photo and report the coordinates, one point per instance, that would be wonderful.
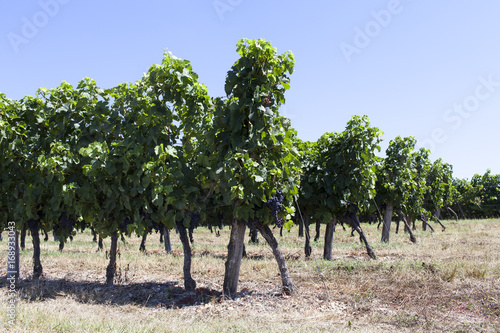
(386, 229)
(254, 235)
(439, 222)
(189, 283)
(111, 269)
(286, 279)
(407, 226)
(34, 227)
(307, 246)
(363, 239)
(328, 247)
(453, 212)
(142, 247)
(318, 231)
(100, 244)
(234, 254)
(352, 219)
(23, 237)
(425, 223)
(461, 212)
(166, 240)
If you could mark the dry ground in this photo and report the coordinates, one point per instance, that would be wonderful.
(448, 281)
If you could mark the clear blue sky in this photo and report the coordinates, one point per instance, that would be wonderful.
(429, 69)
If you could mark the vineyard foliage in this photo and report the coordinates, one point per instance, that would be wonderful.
(253, 147)
(339, 170)
(162, 151)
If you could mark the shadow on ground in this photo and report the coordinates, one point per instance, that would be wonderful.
(162, 295)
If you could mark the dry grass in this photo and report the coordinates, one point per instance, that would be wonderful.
(448, 281)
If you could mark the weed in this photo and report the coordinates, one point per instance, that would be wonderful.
(407, 320)
(476, 273)
(449, 275)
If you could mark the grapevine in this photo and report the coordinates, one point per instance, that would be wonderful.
(275, 203)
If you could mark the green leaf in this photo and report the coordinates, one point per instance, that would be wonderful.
(258, 179)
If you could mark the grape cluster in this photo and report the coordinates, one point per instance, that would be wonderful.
(276, 205)
(195, 219)
(67, 223)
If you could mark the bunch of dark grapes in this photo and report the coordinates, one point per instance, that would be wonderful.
(276, 205)
(195, 219)
(83, 225)
(67, 223)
